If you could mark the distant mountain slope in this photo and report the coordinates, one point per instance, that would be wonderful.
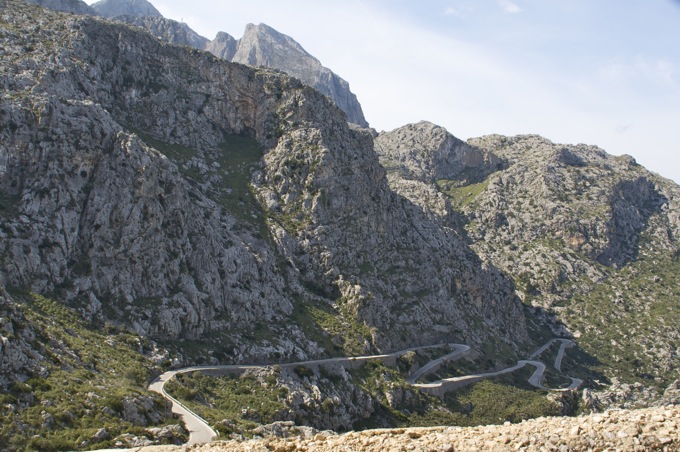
(167, 30)
(113, 8)
(67, 6)
(587, 237)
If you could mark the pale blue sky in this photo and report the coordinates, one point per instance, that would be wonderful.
(603, 72)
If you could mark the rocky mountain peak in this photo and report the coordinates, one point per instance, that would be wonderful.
(261, 45)
(223, 46)
(428, 152)
(113, 8)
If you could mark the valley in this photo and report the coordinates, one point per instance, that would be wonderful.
(201, 432)
(172, 217)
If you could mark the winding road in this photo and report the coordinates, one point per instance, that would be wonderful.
(201, 432)
(459, 351)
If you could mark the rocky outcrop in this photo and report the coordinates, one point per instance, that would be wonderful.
(428, 153)
(649, 429)
(19, 359)
(114, 8)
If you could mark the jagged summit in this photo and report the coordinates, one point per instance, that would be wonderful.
(261, 45)
(113, 8)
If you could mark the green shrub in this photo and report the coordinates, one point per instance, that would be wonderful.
(303, 371)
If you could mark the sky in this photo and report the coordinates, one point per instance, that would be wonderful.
(601, 72)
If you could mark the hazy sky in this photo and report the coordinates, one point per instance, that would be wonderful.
(604, 72)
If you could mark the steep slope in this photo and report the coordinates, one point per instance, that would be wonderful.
(69, 384)
(115, 226)
(126, 193)
(587, 237)
(113, 8)
(261, 45)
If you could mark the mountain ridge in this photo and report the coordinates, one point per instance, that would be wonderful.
(307, 68)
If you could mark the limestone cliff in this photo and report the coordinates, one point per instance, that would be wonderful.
(260, 45)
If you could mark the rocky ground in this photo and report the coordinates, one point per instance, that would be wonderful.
(634, 430)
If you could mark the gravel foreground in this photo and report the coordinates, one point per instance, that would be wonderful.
(616, 430)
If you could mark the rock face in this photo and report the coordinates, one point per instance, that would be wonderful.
(126, 192)
(223, 46)
(113, 8)
(261, 45)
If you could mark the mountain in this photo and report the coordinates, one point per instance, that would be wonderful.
(587, 237)
(185, 197)
(113, 8)
(180, 208)
(162, 207)
(223, 46)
